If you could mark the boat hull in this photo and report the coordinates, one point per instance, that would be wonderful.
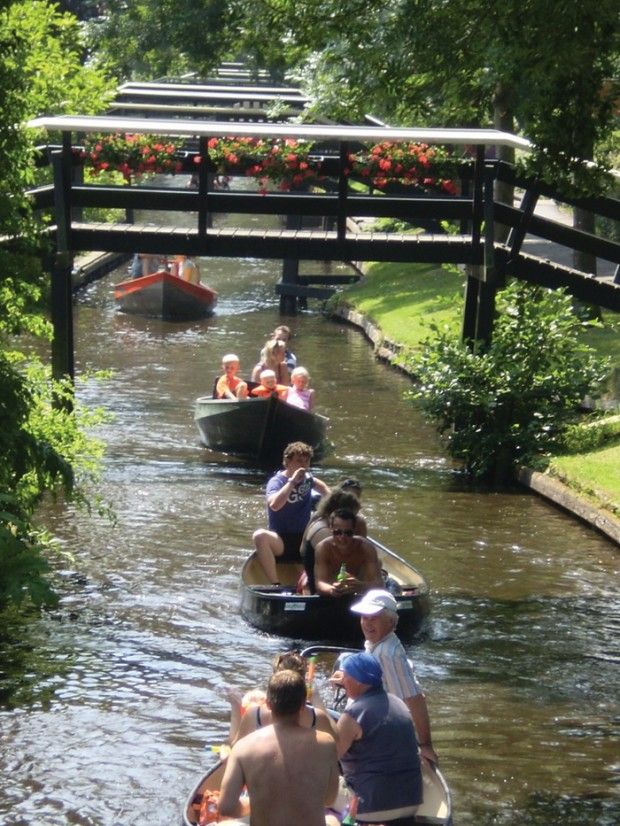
(257, 429)
(435, 810)
(278, 610)
(163, 295)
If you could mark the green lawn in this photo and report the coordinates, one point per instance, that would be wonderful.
(405, 300)
(595, 474)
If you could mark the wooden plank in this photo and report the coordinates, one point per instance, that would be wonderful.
(301, 291)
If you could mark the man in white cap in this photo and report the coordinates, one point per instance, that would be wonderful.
(379, 616)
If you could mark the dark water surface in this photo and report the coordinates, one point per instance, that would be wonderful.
(107, 704)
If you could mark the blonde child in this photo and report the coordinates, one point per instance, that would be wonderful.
(299, 394)
(229, 385)
(272, 358)
(269, 386)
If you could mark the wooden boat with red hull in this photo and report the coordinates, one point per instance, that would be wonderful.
(277, 609)
(166, 296)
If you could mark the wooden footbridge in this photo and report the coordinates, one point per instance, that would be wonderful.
(319, 225)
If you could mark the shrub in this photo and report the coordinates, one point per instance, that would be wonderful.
(511, 402)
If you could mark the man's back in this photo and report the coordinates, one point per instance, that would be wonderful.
(291, 774)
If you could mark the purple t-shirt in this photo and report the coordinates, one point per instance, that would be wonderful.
(294, 515)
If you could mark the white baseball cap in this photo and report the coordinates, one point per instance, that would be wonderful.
(375, 601)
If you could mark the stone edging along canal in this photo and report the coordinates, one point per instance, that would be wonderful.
(543, 484)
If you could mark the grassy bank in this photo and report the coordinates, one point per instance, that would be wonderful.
(407, 300)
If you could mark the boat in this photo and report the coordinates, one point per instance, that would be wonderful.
(164, 295)
(277, 609)
(435, 810)
(257, 429)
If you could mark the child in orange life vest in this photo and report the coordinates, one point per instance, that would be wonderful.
(299, 394)
(268, 386)
(229, 385)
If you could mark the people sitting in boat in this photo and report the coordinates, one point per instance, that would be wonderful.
(269, 386)
(319, 528)
(377, 746)
(251, 716)
(299, 394)
(272, 358)
(289, 506)
(378, 611)
(229, 385)
(283, 333)
(145, 264)
(186, 268)
(290, 771)
(345, 563)
(351, 486)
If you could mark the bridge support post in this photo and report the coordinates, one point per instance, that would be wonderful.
(63, 365)
(487, 288)
(481, 287)
(62, 317)
(289, 304)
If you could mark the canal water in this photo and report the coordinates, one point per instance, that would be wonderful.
(110, 705)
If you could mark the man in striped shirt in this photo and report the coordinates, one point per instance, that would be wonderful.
(378, 617)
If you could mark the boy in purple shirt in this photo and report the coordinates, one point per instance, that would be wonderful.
(289, 505)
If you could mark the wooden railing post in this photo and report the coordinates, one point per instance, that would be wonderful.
(488, 286)
(343, 189)
(204, 216)
(61, 293)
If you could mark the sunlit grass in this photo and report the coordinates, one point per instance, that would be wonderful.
(595, 474)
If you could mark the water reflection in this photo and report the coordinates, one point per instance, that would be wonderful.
(107, 703)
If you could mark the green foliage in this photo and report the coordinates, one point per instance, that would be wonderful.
(592, 434)
(50, 50)
(155, 38)
(23, 567)
(511, 402)
(44, 448)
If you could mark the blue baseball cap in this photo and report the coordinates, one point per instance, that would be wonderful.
(364, 668)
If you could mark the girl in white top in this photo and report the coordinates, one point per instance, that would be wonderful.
(299, 394)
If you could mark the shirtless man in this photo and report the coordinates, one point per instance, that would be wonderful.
(291, 772)
(357, 554)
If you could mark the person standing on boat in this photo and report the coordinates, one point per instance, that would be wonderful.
(290, 771)
(378, 612)
(345, 563)
(229, 385)
(289, 506)
(377, 747)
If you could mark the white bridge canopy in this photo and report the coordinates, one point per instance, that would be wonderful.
(310, 132)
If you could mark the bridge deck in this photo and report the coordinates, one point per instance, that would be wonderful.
(318, 244)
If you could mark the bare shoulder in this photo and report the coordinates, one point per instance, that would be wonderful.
(368, 546)
(325, 740)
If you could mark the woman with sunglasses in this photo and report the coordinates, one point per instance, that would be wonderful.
(356, 553)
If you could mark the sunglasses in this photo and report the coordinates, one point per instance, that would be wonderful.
(342, 532)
